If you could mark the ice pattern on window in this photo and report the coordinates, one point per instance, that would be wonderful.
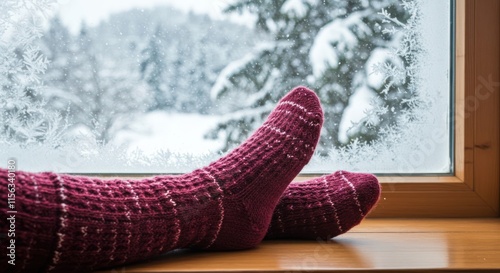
(164, 90)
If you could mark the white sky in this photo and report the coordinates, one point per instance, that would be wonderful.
(73, 12)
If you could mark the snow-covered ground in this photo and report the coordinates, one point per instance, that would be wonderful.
(173, 132)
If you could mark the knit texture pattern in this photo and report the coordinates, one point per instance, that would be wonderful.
(324, 207)
(71, 223)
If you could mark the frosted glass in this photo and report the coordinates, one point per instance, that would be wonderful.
(164, 86)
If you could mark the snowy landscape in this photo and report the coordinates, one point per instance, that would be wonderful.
(161, 87)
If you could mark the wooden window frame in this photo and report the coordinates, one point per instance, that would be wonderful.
(473, 189)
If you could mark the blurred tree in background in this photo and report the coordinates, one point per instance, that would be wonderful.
(337, 48)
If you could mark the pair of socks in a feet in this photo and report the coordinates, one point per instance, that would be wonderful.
(71, 223)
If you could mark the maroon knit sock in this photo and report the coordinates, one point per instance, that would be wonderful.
(324, 207)
(71, 223)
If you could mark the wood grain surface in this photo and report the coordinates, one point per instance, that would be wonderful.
(377, 245)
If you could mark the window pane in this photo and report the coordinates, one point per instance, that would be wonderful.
(168, 86)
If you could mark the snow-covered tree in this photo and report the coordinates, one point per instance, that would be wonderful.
(331, 46)
(202, 77)
(59, 47)
(24, 117)
(128, 65)
(153, 71)
(181, 60)
(100, 88)
(192, 75)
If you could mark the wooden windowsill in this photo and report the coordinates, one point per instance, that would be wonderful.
(379, 245)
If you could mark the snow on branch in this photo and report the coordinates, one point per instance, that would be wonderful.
(223, 81)
(340, 33)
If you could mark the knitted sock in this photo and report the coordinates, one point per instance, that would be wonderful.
(324, 207)
(74, 223)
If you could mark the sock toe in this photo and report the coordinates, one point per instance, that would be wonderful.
(367, 189)
(303, 105)
(324, 207)
(306, 98)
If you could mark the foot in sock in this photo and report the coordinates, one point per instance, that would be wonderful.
(324, 207)
(74, 223)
